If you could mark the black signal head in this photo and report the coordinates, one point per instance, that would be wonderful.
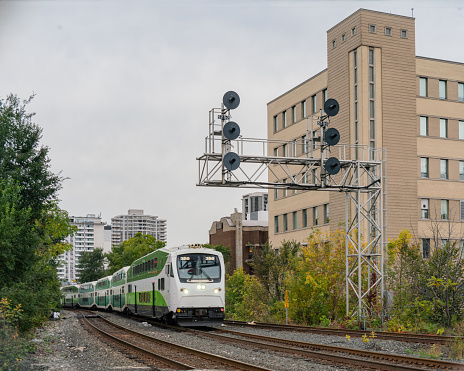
(332, 136)
(332, 165)
(231, 130)
(231, 161)
(331, 107)
(231, 100)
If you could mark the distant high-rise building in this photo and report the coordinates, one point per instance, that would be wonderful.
(124, 227)
(90, 234)
(254, 206)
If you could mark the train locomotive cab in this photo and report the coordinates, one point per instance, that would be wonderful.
(200, 280)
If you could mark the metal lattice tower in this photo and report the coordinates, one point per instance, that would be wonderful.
(361, 179)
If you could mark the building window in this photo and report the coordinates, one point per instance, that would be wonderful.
(324, 95)
(303, 109)
(314, 176)
(305, 218)
(461, 129)
(461, 92)
(315, 219)
(314, 103)
(276, 124)
(424, 167)
(276, 224)
(444, 169)
(284, 147)
(326, 213)
(295, 220)
(462, 209)
(285, 189)
(372, 28)
(333, 44)
(424, 125)
(284, 119)
(442, 89)
(461, 170)
(293, 114)
(304, 142)
(353, 31)
(276, 152)
(423, 87)
(276, 194)
(371, 103)
(343, 38)
(404, 34)
(285, 222)
(443, 128)
(388, 31)
(426, 248)
(294, 148)
(424, 208)
(444, 209)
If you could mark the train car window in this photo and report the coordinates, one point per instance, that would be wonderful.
(162, 284)
(159, 285)
(198, 267)
(129, 288)
(167, 269)
(171, 271)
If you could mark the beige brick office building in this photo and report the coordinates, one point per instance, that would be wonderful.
(389, 98)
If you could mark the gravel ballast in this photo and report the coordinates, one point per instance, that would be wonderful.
(64, 344)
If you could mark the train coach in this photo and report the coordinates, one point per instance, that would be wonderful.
(70, 296)
(87, 295)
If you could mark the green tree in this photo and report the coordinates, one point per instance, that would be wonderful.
(123, 255)
(246, 298)
(23, 159)
(32, 226)
(317, 282)
(19, 239)
(272, 265)
(91, 265)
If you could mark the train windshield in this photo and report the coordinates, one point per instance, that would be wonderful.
(198, 267)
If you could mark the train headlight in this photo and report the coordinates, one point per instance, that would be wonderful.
(216, 291)
(185, 291)
(198, 287)
(201, 287)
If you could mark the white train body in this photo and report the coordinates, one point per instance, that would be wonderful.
(180, 284)
(86, 296)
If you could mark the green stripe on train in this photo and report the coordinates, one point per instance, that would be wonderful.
(145, 298)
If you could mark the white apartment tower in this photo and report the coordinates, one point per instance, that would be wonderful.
(90, 234)
(254, 206)
(124, 227)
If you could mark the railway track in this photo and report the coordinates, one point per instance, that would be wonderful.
(347, 356)
(152, 350)
(415, 338)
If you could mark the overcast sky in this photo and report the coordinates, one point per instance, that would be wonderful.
(123, 88)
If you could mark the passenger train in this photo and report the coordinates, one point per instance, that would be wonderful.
(183, 285)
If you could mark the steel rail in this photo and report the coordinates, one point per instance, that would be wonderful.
(417, 338)
(213, 357)
(316, 348)
(357, 352)
(167, 361)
